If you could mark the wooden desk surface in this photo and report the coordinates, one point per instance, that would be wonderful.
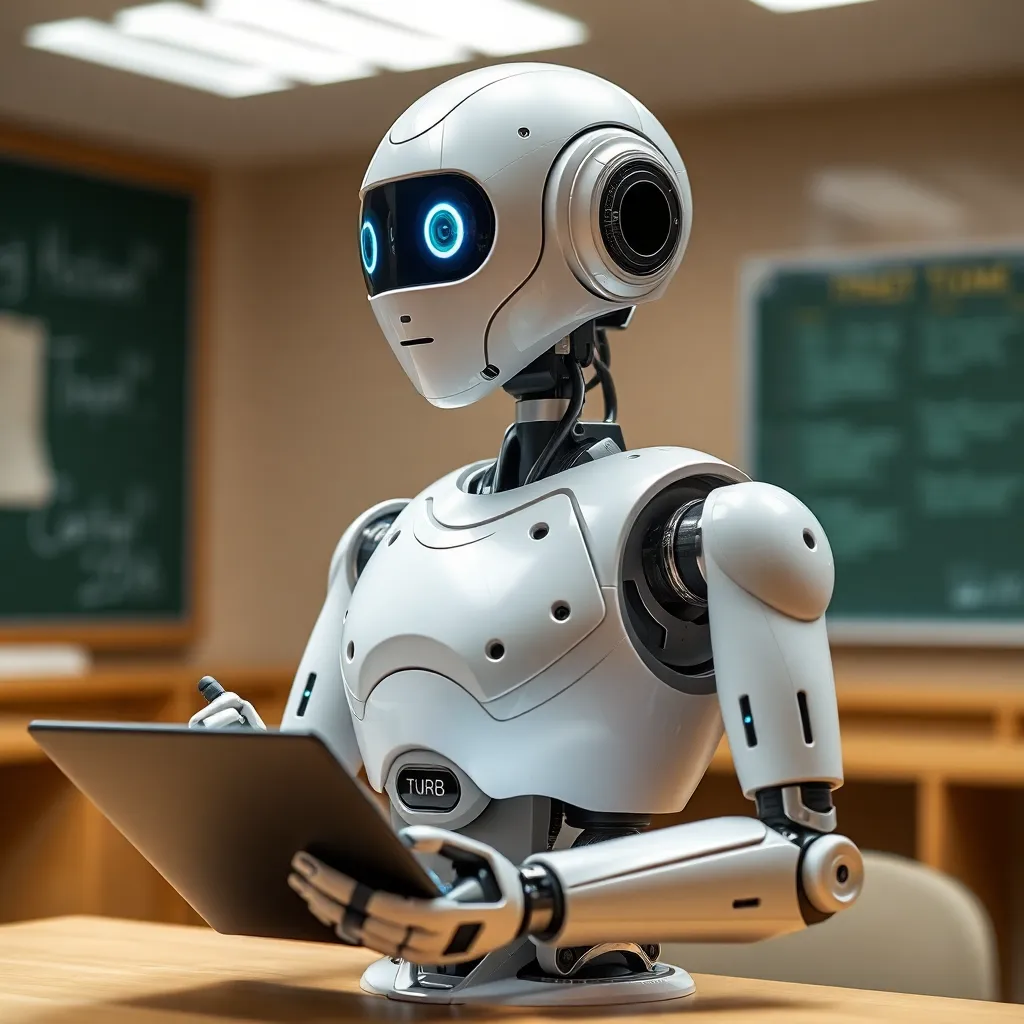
(81, 970)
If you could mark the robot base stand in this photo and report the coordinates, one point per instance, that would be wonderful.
(496, 980)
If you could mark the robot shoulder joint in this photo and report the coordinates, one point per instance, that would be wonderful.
(360, 540)
(769, 544)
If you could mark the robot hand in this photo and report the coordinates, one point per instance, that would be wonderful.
(226, 711)
(483, 911)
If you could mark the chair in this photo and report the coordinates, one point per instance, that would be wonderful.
(912, 930)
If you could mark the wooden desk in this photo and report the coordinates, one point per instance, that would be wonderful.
(82, 970)
(929, 768)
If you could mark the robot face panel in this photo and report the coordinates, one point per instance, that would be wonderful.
(420, 231)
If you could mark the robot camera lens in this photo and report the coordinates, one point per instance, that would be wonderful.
(645, 218)
(443, 231)
(641, 219)
(368, 247)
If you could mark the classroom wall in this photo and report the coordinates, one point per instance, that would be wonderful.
(312, 420)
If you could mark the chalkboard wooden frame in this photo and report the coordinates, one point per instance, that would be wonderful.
(754, 272)
(157, 633)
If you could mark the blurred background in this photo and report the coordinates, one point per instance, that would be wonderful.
(195, 399)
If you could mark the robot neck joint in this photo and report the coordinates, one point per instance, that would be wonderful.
(540, 410)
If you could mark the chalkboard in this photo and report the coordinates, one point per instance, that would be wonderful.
(98, 282)
(886, 391)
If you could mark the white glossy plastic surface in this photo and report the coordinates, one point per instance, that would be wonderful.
(578, 715)
(725, 879)
(767, 594)
(326, 711)
(505, 605)
(505, 313)
(385, 978)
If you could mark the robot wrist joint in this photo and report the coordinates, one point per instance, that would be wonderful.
(802, 808)
(542, 893)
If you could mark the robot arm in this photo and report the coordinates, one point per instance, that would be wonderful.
(760, 562)
(722, 880)
(317, 701)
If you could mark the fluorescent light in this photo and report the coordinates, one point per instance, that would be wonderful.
(885, 200)
(792, 6)
(494, 27)
(384, 45)
(181, 24)
(97, 42)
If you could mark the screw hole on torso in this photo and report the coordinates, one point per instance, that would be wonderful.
(350, 651)
(495, 650)
(809, 540)
(539, 531)
(560, 611)
(632, 456)
(394, 537)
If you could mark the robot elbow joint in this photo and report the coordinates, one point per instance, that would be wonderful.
(831, 875)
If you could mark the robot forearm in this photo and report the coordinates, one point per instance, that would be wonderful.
(722, 880)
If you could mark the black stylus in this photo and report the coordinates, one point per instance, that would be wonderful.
(211, 690)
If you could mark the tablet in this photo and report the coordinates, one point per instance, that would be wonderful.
(220, 813)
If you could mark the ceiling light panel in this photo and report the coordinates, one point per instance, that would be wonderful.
(188, 27)
(497, 28)
(387, 46)
(99, 43)
(793, 6)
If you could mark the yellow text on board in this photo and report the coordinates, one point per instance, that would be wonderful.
(886, 287)
(962, 281)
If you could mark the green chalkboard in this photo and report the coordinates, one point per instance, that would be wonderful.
(886, 391)
(97, 274)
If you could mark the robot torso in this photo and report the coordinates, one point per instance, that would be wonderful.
(512, 637)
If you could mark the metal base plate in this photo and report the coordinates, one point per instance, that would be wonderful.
(401, 981)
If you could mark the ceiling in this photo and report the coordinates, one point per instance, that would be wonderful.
(675, 55)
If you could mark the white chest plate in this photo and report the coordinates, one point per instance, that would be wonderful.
(488, 606)
(570, 709)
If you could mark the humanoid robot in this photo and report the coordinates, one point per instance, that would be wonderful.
(539, 652)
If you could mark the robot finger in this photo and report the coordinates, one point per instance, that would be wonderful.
(221, 720)
(225, 702)
(426, 838)
(427, 916)
(249, 713)
(324, 879)
(324, 909)
(385, 938)
(385, 931)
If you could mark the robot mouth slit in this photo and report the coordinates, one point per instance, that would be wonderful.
(416, 341)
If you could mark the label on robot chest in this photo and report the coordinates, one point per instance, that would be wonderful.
(428, 789)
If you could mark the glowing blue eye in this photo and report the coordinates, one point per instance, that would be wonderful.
(368, 246)
(443, 231)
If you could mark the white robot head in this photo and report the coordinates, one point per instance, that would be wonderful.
(505, 209)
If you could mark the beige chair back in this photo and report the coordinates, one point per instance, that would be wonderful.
(912, 930)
